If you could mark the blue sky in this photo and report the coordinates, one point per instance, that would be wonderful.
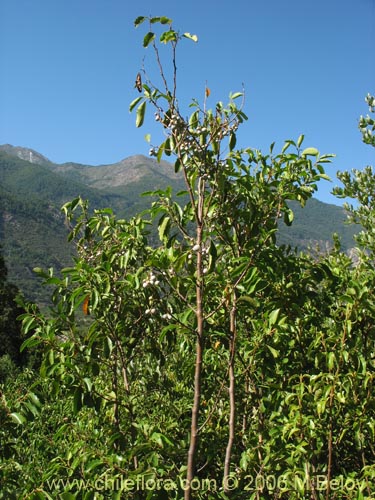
(68, 69)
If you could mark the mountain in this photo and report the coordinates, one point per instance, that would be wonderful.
(33, 189)
(25, 154)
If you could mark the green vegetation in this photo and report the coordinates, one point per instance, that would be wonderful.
(216, 363)
(32, 227)
(10, 329)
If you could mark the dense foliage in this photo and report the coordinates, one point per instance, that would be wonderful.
(215, 364)
(10, 329)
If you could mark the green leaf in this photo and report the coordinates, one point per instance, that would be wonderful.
(41, 495)
(149, 37)
(160, 152)
(18, 418)
(156, 437)
(177, 166)
(331, 360)
(108, 347)
(93, 464)
(28, 323)
(232, 141)
(163, 227)
(212, 256)
(300, 140)
(135, 102)
(250, 300)
(168, 36)
(68, 496)
(310, 151)
(140, 114)
(288, 217)
(274, 352)
(77, 400)
(139, 20)
(194, 119)
(190, 36)
(35, 400)
(236, 95)
(88, 384)
(273, 317)
(40, 271)
(325, 177)
(30, 342)
(286, 146)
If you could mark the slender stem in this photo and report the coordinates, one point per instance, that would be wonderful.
(232, 399)
(330, 438)
(199, 347)
(115, 389)
(126, 384)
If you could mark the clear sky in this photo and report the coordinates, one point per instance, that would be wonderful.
(68, 70)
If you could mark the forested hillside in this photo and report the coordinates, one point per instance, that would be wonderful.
(32, 228)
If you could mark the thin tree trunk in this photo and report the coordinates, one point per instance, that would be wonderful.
(330, 443)
(232, 399)
(199, 348)
(115, 389)
(126, 384)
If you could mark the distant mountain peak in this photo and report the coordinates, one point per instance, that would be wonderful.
(25, 154)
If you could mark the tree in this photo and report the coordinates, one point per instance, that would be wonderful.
(10, 328)
(214, 362)
(235, 200)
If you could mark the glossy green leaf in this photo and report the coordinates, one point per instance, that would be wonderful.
(232, 141)
(273, 317)
(141, 110)
(139, 20)
(236, 95)
(135, 102)
(288, 217)
(18, 418)
(163, 228)
(88, 384)
(108, 347)
(165, 20)
(168, 36)
(149, 37)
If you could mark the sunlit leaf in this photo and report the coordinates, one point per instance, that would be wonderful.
(168, 36)
(18, 418)
(273, 317)
(135, 102)
(190, 36)
(310, 152)
(273, 351)
(236, 95)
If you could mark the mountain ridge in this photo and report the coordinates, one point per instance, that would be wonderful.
(32, 229)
